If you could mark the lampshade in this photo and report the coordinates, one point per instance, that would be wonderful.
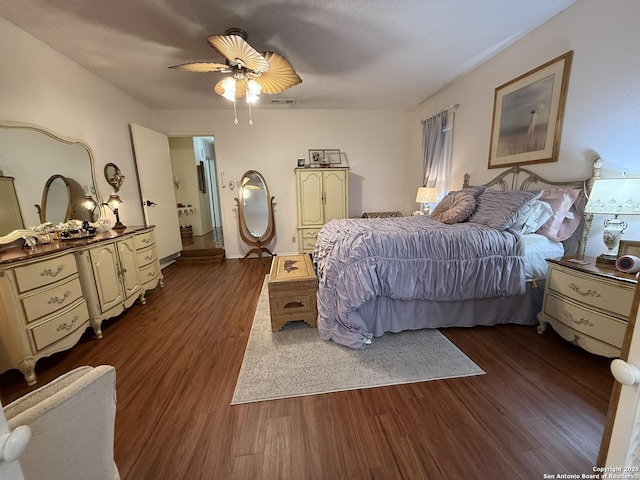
(427, 195)
(229, 87)
(615, 196)
(89, 203)
(114, 201)
(253, 91)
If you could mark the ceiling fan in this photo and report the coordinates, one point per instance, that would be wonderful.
(251, 72)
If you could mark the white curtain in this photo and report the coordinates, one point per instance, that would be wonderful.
(437, 137)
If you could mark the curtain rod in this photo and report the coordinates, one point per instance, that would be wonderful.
(453, 106)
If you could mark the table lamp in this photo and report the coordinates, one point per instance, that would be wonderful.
(114, 203)
(614, 196)
(426, 195)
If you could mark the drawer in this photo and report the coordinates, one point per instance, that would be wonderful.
(592, 291)
(47, 301)
(147, 256)
(293, 304)
(144, 240)
(59, 326)
(149, 273)
(310, 233)
(308, 244)
(45, 272)
(592, 323)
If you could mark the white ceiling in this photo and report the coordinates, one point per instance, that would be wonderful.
(349, 54)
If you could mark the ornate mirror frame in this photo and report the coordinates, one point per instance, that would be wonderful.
(257, 243)
(7, 125)
(113, 176)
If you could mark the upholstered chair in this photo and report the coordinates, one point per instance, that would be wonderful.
(72, 422)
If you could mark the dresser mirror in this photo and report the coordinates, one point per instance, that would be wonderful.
(51, 174)
(255, 213)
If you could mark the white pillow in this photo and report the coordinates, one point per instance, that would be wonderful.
(534, 218)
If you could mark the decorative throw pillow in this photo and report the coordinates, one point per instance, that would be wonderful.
(455, 207)
(499, 209)
(531, 220)
(567, 206)
(476, 191)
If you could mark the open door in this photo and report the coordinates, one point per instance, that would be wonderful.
(620, 447)
(155, 178)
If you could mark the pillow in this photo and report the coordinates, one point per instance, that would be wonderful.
(455, 207)
(476, 191)
(531, 220)
(566, 204)
(500, 208)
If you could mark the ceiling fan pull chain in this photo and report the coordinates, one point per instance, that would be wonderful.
(250, 119)
(235, 114)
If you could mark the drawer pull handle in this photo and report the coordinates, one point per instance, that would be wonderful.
(51, 273)
(588, 293)
(293, 305)
(149, 257)
(67, 326)
(59, 300)
(582, 321)
(145, 240)
(151, 274)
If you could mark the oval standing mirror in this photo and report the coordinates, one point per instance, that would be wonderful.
(56, 204)
(255, 213)
(113, 176)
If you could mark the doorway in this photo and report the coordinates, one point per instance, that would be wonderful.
(193, 163)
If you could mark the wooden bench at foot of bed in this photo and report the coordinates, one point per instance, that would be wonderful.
(292, 291)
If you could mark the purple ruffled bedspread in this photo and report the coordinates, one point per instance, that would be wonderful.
(408, 258)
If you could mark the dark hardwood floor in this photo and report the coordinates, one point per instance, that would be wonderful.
(539, 409)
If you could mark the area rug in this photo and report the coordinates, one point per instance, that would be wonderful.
(294, 361)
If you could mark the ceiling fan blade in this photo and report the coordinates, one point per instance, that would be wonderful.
(280, 76)
(202, 67)
(234, 48)
(241, 88)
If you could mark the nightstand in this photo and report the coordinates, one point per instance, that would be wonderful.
(588, 304)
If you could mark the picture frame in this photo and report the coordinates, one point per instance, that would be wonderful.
(202, 185)
(333, 156)
(315, 157)
(528, 113)
(325, 157)
(301, 162)
(629, 247)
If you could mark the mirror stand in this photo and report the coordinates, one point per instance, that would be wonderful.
(257, 243)
(255, 214)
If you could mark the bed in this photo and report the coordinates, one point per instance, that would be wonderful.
(479, 259)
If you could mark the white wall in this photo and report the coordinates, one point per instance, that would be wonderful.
(40, 86)
(375, 142)
(602, 115)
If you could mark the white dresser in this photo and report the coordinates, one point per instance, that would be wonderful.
(322, 195)
(49, 295)
(587, 303)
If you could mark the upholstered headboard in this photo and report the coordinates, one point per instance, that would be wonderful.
(518, 178)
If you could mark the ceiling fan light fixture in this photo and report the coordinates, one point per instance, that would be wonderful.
(252, 73)
(229, 87)
(253, 91)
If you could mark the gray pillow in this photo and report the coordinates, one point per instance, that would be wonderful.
(476, 191)
(455, 207)
(500, 208)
